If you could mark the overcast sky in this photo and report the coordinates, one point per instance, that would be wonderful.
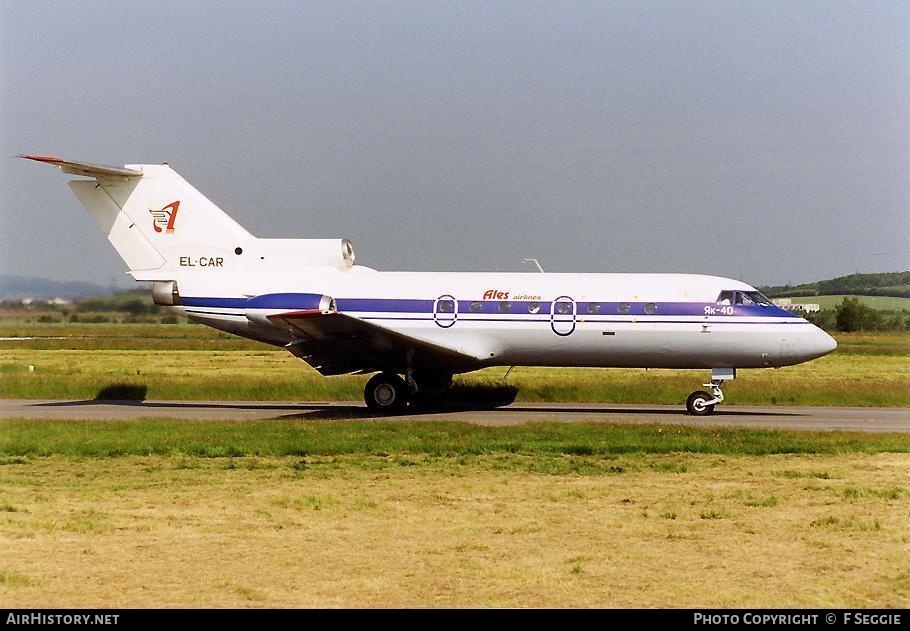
(766, 141)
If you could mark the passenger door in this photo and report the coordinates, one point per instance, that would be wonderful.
(562, 315)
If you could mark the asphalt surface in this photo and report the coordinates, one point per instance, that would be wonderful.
(806, 418)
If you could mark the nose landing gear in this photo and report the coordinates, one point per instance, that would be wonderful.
(701, 403)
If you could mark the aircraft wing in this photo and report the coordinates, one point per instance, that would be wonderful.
(335, 343)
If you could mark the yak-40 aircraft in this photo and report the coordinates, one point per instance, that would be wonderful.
(418, 329)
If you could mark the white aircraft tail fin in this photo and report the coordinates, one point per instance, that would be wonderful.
(152, 216)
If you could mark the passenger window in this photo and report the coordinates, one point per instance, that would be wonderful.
(563, 308)
(505, 307)
(533, 307)
(593, 307)
(446, 306)
(476, 306)
(650, 308)
(623, 307)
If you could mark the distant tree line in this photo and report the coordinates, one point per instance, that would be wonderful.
(852, 315)
(896, 284)
(133, 306)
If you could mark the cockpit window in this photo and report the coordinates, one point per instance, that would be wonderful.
(745, 298)
(759, 298)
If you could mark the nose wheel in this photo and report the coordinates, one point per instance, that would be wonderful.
(701, 403)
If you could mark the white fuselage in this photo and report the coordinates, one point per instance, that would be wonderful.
(596, 320)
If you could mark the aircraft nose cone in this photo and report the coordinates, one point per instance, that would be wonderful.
(820, 344)
(829, 344)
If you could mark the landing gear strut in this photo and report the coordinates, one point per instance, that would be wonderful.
(432, 388)
(701, 403)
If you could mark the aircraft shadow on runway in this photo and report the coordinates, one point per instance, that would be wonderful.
(320, 413)
(323, 412)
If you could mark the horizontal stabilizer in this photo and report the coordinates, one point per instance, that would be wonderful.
(85, 168)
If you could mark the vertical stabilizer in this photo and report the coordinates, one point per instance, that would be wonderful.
(153, 217)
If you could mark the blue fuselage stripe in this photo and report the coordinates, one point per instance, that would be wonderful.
(588, 311)
(580, 321)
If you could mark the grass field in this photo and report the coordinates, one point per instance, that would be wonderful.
(108, 439)
(159, 513)
(378, 514)
(866, 370)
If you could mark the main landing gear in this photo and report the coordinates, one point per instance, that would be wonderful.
(386, 392)
(389, 393)
(701, 403)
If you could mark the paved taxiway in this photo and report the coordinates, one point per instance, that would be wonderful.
(807, 418)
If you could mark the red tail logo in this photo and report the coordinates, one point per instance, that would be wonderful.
(164, 219)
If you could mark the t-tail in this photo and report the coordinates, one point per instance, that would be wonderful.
(167, 231)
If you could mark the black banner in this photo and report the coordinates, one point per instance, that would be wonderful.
(696, 617)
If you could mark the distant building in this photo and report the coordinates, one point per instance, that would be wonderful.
(789, 305)
(37, 302)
